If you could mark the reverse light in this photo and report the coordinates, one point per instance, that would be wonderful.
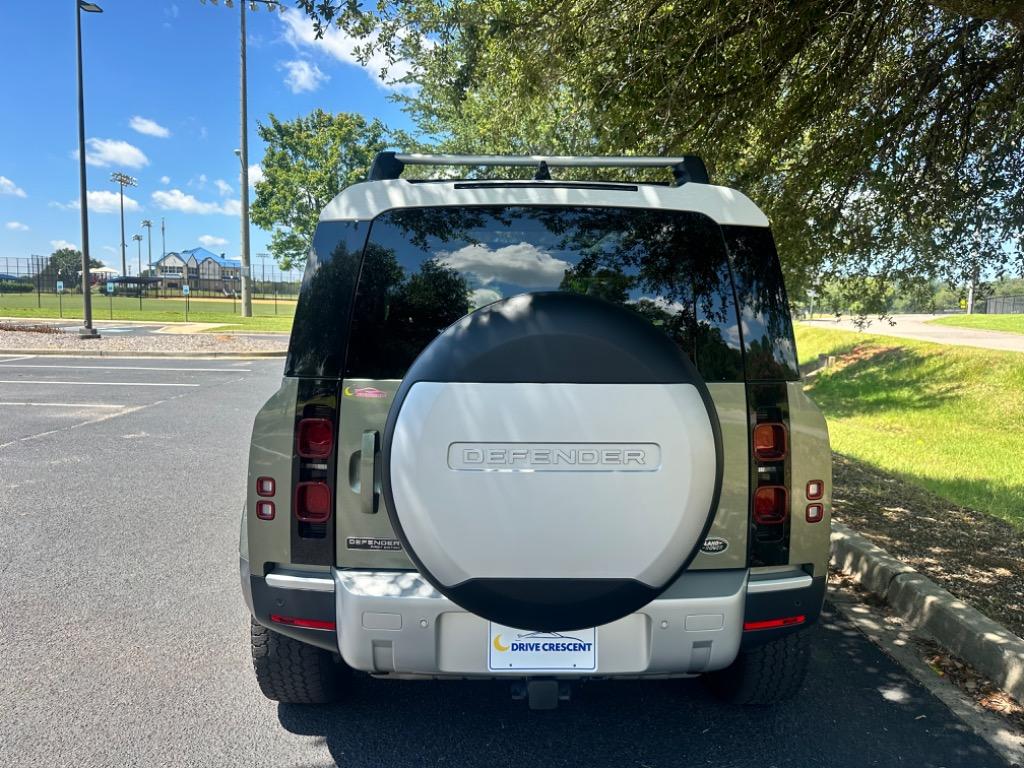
(265, 486)
(312, 502)
(315, 438)
(815, 490)
(770, 441)
(265, 510)
(815, 513)
(789, 621)
(770, 505)
(292, 621)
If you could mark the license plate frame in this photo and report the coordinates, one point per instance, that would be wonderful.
(519, 650)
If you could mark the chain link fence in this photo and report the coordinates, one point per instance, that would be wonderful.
(1004, 305)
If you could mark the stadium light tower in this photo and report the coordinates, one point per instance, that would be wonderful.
(86, 331)
(124, 180)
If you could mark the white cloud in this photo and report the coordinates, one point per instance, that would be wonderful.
(223, 187)
(303, 76)
(103, 152)
(212, 241)
(176, 200)
(58, 244)
(255, 174)
(298, 32)
(101, 201)
(149, 127)
(522, 265)
(17, 226)
(165, 179)
(8, 187)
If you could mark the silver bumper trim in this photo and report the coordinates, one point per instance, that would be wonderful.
(800, 581)
(307, 583)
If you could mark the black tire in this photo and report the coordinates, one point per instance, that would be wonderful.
(769, 674)
(294, 672)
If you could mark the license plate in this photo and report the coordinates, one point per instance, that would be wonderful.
(525, 651)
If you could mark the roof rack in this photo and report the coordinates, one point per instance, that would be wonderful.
(685, 168)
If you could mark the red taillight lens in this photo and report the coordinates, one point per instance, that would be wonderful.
(265, 510)
(770, 442)
(815, 513)
(815, 490)
(313, 502)
(265, 486)
(291, 621)
(315, 438)
(770, 505)
(789, 621)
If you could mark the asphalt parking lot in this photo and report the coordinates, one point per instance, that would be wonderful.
(124, 636)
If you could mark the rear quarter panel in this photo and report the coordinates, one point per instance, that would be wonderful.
(811, 460)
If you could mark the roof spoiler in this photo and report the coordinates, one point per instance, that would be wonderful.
(685, 168)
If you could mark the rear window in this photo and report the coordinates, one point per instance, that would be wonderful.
(424, 268)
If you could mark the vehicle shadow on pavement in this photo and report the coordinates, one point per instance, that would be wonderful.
(857, 709)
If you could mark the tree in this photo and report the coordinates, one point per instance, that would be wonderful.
(882, 138)
(308, 161)
(65, 264)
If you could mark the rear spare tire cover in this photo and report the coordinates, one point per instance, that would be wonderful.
(552, 462)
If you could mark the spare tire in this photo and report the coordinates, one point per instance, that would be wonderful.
(552, 462)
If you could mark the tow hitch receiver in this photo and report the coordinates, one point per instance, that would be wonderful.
(541, 694)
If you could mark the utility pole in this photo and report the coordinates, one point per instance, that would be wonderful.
(86, 331)
(123, 180)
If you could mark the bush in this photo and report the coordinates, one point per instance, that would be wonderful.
(16, 286)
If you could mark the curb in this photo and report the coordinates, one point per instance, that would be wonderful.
(119, 353)
(961, 629)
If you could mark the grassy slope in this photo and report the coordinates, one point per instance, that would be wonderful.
(1010, 323)
(950, 419)
(161, 310)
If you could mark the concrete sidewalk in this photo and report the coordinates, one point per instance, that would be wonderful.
(916, 327)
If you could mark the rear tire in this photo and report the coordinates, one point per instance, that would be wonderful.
(769, 674)
(294, 672)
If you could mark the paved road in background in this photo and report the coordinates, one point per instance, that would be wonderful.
(918, 327)
(125, 639)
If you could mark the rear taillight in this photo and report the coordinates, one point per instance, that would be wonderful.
(815, 489)
(315, 438)
(770, 505)
(265, 509)
(815, 513)
(770, 442)
(312, 502)
(265, 486)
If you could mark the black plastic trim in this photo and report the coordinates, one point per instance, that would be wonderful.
(762, 606)
(297, 603)
(469, 351)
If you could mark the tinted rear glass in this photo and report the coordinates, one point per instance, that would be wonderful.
(424, 268)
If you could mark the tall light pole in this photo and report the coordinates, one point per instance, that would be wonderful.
(243, 151)
(149, 242)
(124, 180)
(138, 239)
(86, 331)
(163, 239)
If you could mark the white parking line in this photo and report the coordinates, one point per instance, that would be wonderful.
(97, 383)
(5, 364)
(13, 359)
(66, 405)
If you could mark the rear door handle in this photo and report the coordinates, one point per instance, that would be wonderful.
(369, 498)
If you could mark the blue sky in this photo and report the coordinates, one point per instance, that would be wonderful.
(161, 82)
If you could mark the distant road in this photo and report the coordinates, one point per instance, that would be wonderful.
(917, 327)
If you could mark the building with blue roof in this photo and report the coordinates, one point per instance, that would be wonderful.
(200, 269)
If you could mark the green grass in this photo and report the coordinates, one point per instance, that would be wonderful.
(948, 418)
(1009, 323)
(157, 310)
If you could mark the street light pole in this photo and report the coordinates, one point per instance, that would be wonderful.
(163, 239)
(86, 331)
(138, 239)
(244, 158)
(124, 180)
(149, 242)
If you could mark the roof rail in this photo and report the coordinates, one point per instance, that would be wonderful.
(685, 168)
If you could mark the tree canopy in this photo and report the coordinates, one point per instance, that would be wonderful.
(882, 138)
(307, 162)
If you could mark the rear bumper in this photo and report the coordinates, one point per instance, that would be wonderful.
(395, 623)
